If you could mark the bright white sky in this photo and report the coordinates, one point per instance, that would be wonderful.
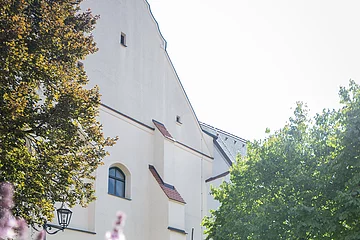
(244, 63)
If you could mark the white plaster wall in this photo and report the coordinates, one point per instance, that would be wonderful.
(188, 176)
(170, 172)
(177, 236)
(208, 141)
(159, 152)
(187, 171)
(220, 164)
(149, 212)
(176, 215)
(70, 235)
(84, 217)
(207, 170)
(139, 79)
(158, 211)
(134, 149)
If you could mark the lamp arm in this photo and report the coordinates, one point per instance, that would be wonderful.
(37, 229)
(48, 227)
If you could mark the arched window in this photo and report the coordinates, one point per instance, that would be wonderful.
(116, 185)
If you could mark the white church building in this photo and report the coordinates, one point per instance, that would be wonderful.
(160, 170)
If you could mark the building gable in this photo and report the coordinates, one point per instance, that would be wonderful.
(138, 78)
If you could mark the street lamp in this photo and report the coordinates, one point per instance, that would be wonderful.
(64, 217)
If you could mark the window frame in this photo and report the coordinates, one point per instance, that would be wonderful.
(117, 180)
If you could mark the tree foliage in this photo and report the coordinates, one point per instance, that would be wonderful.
(302, 182)
(51, 142)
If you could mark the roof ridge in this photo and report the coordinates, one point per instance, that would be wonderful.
(224, 132)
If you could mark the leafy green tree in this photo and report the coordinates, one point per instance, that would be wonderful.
(50, 140)
(302, 182)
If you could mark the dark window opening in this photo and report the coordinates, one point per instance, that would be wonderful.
(178, 119)
(123, 39)
(116, 185)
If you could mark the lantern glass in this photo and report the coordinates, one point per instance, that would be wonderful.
(64, 216)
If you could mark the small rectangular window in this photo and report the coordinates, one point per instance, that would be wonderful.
(178, 119)
(123, 39)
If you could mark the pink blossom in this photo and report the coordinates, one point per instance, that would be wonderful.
(117, 232)
(10, 227)
(41, 235)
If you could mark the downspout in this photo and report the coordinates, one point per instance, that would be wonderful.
(202, 200)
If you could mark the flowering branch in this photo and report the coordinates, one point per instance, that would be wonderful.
(117, 232)
(9, 225)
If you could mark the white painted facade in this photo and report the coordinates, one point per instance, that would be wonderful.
(139, 84)
(226, 149)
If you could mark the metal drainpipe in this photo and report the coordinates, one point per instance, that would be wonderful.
(201, 191)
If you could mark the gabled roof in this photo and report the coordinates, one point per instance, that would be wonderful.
(228, 144)
(168, 189)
